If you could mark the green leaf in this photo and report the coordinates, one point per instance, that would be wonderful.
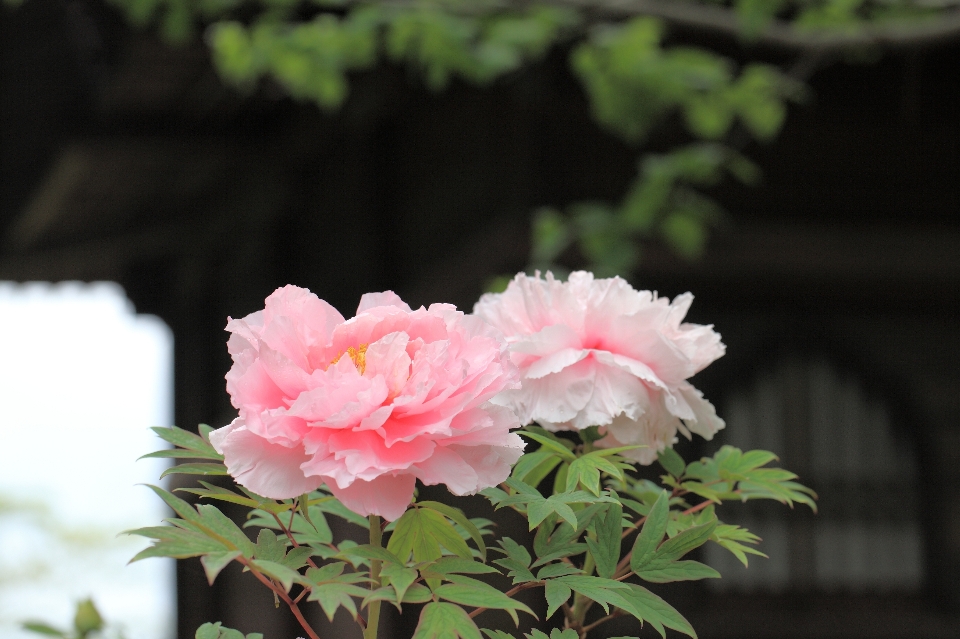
(671, 462)
(180, 453)
(645, 547)
(175, 542)
(214, 562)
(583, 472)
(195, 469)
(277, 571)
(603, 591)
(439, 620)
(209, 631)
(435, 526)
(400, 578)
(558, 569)
(452, 565)
(678, 571)
(223, 527)
(656, 611)
(683, 543)
(368, 551)
(185, 439)
(470, 592)
(457, 515)
(269, 547)
(422, 531)
(606, 547)
(557, 593)
(533, 467)
(297, 557)
(43, 629)
(332, 596)
(551, 444)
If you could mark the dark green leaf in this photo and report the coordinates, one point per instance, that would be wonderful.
(606, 547)
(470, 592)
(656, 611)
(557, 593)
(645, 547)
(678, 571)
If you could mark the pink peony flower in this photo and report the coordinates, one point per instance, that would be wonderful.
(366, 405)
(596, 352)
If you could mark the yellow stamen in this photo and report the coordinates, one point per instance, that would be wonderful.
(357, 355)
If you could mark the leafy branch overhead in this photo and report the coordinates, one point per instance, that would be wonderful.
(632, 78)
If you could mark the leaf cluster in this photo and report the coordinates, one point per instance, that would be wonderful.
(602, 538)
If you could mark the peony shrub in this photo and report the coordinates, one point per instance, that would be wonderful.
(340, 418)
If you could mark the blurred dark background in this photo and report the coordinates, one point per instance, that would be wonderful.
(835, 283)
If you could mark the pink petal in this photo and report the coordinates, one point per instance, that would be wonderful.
(270, 470)
(386, 298)
(387, 495)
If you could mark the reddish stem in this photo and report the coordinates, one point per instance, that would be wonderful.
(286, 598)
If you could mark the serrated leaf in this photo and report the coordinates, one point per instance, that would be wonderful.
(175, 542)
(277, 571)
(583, 472)
(269, 547)
(367, 551)
(558, 569)
(454, 565)
(647, 542)
(656, 611)
(569, 550)
(184, 439)
(440, 620)
(603, 591)
(678, 571)
(606, 547)
(214, 562)
(557, 593)
(671, 462)
(470, 592)
(332, 596)
(673, 549)
(216, 522)
(400, 578)
(551, 444)
(533, 467)
(297, 557)
(457, 515)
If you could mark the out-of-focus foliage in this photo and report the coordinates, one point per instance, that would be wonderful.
(632, 78)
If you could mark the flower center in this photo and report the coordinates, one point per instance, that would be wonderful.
(357, 355)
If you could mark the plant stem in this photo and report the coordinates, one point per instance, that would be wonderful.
(580, 603)
(373, 610)
(286, 598)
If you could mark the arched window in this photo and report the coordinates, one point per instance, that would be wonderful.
(843, 442)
